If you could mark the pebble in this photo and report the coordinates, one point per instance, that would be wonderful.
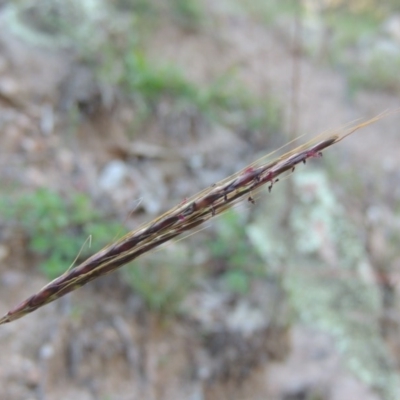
(113, 175)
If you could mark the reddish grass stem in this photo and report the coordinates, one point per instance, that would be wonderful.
(186, 216)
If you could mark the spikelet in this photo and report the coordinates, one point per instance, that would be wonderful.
(184, 217)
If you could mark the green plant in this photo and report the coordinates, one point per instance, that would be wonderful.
(58, 227)
(232, 247)
(162, 281)
(187, 13)
(357, 45)
(149, 82)
(139, 7)
(143, 78)
(349, 27)
(269, 11)
(380, 72)
(117, 53)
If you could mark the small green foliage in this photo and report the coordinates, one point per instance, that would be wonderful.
(112, 40)
(349, 27)
(162, 280)
(139, 7)
(379, 72)
(57, 227)
(269, 11)
(351, 30)
(143, 78)
(232, 247)
(237, 281)
(369, 58)
(149, 82)
(187, 13)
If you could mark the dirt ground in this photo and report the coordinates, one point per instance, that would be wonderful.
(113, 348)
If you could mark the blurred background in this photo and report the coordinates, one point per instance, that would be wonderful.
(111, 112)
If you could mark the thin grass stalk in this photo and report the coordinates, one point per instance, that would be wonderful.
(189, 214)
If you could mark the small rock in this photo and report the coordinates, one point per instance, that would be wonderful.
(4, 252)
(32, 378)
(9, 86)
(47, 119)
(35, 177)
(66, 159)
(392, 27)
(46, 351)
(11, 278)
(246, 319)
(113, 175)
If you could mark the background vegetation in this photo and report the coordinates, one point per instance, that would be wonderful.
(314, 238)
